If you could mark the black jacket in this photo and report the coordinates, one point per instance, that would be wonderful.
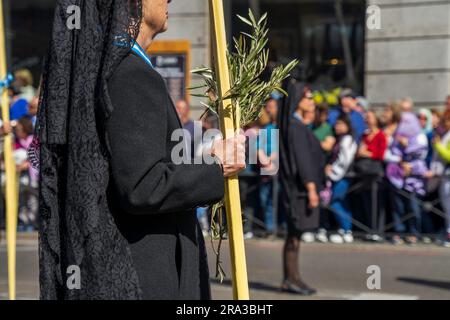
(152, 199)
(301, 161)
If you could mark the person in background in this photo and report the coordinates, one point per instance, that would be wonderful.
(23, 79)
(430, 222)
(426, 122)
(249, 179)
(28, 176)
(447, 103)
(438, 128)
(390, 119)
(374, 143)
(362, 105)
(307, 107)
(407, 104)
(342, 157)
(18, 106)
(5, 129)
(442, 148)
(325, 134)
(301, 176)
(349, 106)
(24, 136)
(369, 164)
(210, 122)
(407, 172)
(184, 113)
(33, 107)
(268, 157)
(323, 130)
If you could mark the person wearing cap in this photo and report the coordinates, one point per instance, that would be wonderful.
(349, 106)
(363, 105)
(19, 106)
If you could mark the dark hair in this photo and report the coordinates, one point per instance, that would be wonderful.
(27, 125)
(396, 111)
(346, 119)
(320, 109)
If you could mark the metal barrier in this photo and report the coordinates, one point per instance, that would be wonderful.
(378, 216)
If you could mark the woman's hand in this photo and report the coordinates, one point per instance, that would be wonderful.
(407, 168)
(23, 166)
(328, 170)
(313, 196)
(328, 143)
(428, 175)
(363, 152)
(403, 141)
(6, 129)
(437, 139)
(231, 154)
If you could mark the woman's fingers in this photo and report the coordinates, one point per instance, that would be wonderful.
(234, 160)
(231, 154)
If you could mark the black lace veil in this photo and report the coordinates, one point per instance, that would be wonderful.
(77, 231)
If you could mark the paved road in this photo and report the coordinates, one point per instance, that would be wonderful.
(337, 271)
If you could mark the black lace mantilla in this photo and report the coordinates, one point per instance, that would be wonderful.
(76, 225)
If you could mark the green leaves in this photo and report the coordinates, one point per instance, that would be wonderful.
(246, 65)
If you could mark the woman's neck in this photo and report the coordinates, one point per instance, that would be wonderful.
(145, 38)
(373, 129)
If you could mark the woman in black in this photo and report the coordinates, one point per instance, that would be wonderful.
(302, 166)
(113, 202)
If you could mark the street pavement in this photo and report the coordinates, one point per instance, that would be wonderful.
(337, 271)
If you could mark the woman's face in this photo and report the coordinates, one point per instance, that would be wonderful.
(388, 115)
(371, 119)
(423, 120)
(447, 124)
(156, 14)
(20, 132)
(309, 116)
(323, 116)
(341, 128)
(436, 121)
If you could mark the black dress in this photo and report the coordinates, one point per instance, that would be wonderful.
(301, 161)
(153, 200)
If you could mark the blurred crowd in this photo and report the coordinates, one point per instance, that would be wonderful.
(403, 150)
(24, 100)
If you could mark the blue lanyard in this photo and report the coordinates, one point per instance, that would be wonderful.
(140, 52)
(297, 116)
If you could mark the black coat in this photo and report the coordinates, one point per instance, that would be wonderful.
(301, 161)
(153, 200)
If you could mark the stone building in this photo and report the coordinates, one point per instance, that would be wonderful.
(410, 54)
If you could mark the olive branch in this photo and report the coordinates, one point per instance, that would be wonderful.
(248, 91)
(246, 66)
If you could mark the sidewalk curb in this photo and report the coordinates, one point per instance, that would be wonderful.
(23, 238)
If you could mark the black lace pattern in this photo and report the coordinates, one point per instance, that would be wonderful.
(77, 228)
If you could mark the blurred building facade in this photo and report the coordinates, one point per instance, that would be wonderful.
(410, 54)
